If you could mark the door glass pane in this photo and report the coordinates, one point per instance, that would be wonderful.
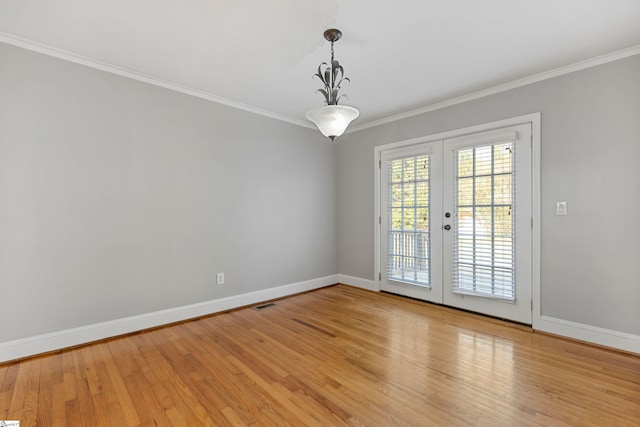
(483, 258)
(408, 220)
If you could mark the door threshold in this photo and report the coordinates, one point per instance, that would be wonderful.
(489, 316)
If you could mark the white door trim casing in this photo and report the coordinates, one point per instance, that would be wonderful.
(534, 120)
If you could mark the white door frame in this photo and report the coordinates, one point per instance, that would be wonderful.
(534, 119)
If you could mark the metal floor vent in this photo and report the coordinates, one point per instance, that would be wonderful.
(260, 307)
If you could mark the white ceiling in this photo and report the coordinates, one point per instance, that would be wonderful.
(400, 55)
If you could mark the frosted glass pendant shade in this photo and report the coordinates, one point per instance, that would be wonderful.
(332, 120)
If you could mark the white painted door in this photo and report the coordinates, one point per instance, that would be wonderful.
(456, 222)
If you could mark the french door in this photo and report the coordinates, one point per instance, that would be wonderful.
(455, 223)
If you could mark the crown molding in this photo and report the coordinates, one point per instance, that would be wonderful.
(124, 72)
(93, 63)
(588, 63)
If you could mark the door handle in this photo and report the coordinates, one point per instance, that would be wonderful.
(447, 227)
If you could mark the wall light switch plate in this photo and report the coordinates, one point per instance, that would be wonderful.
(561, 208)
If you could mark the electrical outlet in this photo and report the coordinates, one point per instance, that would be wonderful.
(220, 278)
(561, 207)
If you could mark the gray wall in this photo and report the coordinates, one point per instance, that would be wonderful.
(590, 150)
(119, 198)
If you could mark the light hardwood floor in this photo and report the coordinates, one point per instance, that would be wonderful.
(335, 356)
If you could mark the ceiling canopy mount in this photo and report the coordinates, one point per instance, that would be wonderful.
(332, 35)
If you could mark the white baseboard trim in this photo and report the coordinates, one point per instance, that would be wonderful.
(30, 346)
(588, 333)
(358, 282)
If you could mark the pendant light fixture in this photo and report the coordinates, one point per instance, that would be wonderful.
(332, 119)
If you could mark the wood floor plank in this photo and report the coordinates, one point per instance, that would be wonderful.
(58, 410)
(147, 408)
(3, 374)
(45, 391)
(233, 418)
(72, 414)
(17, 405)
(115, 389)
(177, 384)
(337, 356)
(83, 402)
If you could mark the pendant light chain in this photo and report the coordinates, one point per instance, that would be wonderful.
(331, 65)
(332, 52)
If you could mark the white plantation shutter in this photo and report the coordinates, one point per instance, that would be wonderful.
(484, 224)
